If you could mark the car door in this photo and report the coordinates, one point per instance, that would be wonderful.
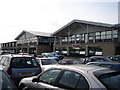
(73, 80)
(47, 80)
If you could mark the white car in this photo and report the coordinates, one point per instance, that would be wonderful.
(70, 77)
(46, 62)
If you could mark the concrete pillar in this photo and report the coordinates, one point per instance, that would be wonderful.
(68, 50)
(86, 50)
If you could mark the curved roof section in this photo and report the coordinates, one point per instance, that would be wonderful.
(83, 22)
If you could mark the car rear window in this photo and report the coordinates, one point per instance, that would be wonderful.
(21, 62)
(48, 61)
(111, 80)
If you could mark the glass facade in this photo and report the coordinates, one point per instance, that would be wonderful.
(101, 36)
(85, 39)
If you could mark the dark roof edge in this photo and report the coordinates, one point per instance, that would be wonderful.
(85, 22)
(20, 34)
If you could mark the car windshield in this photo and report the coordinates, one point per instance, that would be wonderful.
(48, 61)
(111, 80)
(21, 62)
(5, 82)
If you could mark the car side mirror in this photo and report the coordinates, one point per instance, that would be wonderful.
(35, 79)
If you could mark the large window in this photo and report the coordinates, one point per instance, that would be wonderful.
(61, 50)
(91, 37)
(74, 50)
(115, 35)
(73, 39)
(95, 51)
(97, 38)
(78, 38)
(82, 38)
(103, 36)
(64, 40)
(108, 36)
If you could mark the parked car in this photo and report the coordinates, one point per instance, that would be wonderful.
(69, 61)
(58, 55)
(96, 58)
(73, 77)
(49, 55)
(46, 62)
(111, 65)
(114, 58)
(6, 82)
(19, 66)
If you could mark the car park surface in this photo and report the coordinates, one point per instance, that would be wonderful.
(74, 77)
(6, 82)
(111, 65)
(19, 66)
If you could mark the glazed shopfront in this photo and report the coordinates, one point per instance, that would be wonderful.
(84, 38)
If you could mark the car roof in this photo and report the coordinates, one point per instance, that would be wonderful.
(70, 59)
(43, 58)
(17, 55)
(83, 68)
(103, 62)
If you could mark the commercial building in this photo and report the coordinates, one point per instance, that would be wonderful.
(77, 38)
(31, 42)
(87, 38)
(9, 47)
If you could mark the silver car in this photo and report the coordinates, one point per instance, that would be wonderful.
(19, 66)
(73, 77)
(46, 62)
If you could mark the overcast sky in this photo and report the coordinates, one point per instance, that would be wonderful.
(50, 15)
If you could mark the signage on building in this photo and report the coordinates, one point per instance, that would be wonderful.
(76, 45)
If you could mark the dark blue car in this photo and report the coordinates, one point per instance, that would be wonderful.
(111, 65)
(58, 55)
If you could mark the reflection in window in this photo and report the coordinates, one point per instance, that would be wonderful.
(103, 35)
(73, 39)
(64, 40)
(108, 35)
(97, 34)
(111, 80)
(91, 37)
(82, 38)
(69, 79)
(78, 38)
(49, 76)
(72, 79)
(115, 35)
